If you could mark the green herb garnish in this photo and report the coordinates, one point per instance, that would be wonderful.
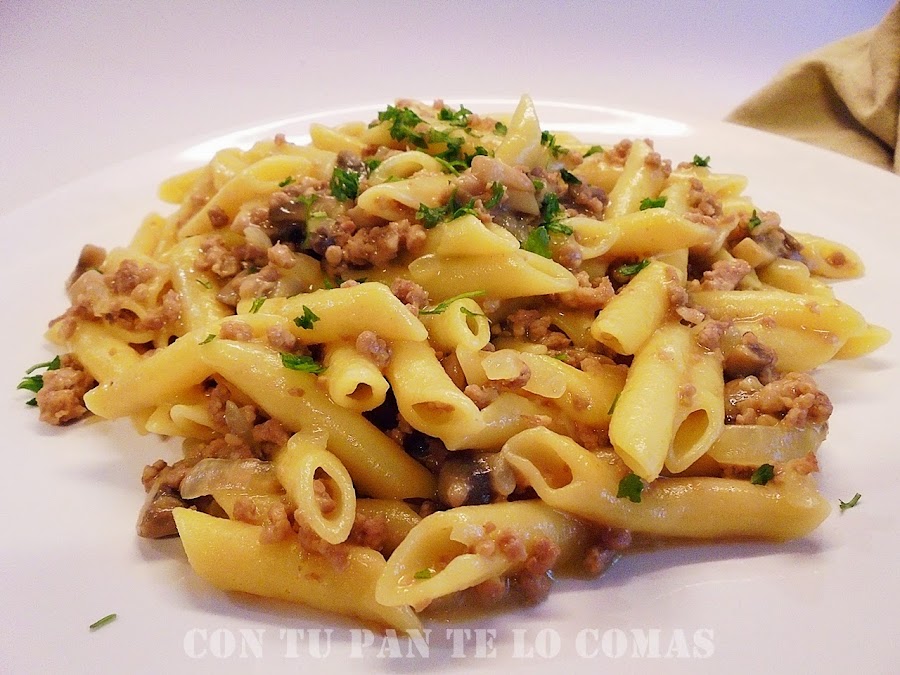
(569, 178)
(763, 474)
(650, 203)
(700, 161)
(34, 383)
(344, 184)
(593, 150)
(754, 221)
(372, 164)
(430, 215)
(209, 338)
(441, 307)
(538, 242)
(257, 305)
(99, 623)
(612, 406)
(500, 129)
(307, 320)
(629, 270)
(403, 122)
(204, 283)
(631, 487)
(305, 364)
(549, 140)
(497, 192)
(426, 573)
(460, 118)
(849, 505)
(287, 181)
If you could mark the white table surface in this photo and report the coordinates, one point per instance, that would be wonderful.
(87, 84)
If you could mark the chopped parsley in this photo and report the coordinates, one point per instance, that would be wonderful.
(344, 184)
(257, 305)
(305, 364)
(849, 505)
(754, 221)
(629, 270)
(538, 242)
(497, 192)
(549, 140)
(700, 161)
(204, 283)
(569, 178)
(538, 185)
(460, 118)
(430, 215)
(453, 167)
(612, 406)
(403, 125)
(99, 623)
(469, 312)
(593, 150)
(441, 307)
(306, 200)
(559, 228)
(372, 164)
(650, 203)
(34, 383)
(500, 129)
(631, 487)
(425, 573)
(763, 474)
(209, 338)
(287, 181)
(307, 320)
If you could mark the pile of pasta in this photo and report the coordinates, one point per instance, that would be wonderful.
(442, 352)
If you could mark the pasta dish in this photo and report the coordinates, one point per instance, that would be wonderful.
(440, 357)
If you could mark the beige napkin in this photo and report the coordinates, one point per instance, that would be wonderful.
(844, 97)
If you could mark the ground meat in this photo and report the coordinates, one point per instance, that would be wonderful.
(481, 396)
(323, 497)
(155, 520)
(710, 333)
(236, 330)
(531, 324)
(374, 348)
(586, 199)
(217, 258)
(410, 294)
(61, 398)
(750, 357)
(491, 591)
(276, 526)
(281, 339)
(91, 257)
(271, 432)
(377, 246)
(725, 275)
(794, 400)
(590, 295)
(281, 256)
(217, 217)
(369, 531)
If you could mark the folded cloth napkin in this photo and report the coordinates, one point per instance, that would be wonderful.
(844, 97)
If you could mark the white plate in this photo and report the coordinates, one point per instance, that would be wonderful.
(70, 498)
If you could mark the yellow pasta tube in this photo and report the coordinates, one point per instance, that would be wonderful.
(102, 354)
(701, 416)
(199, 304)
(450, 551)
(426, 396)
(640, 179)
(570, 478)
(637, 310)
(865, 342)
(518, 274)
(592, 237)
(828, 258)
(302, 465)
(152, 380)
(468, 236)
(353, 381)
(339, 317)
(227, 554)
(327, 138)
(522, 143)
(403, 165)
(401, 199)
(644, 419)
(461, 325)
(379, 467)
(653, 231)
